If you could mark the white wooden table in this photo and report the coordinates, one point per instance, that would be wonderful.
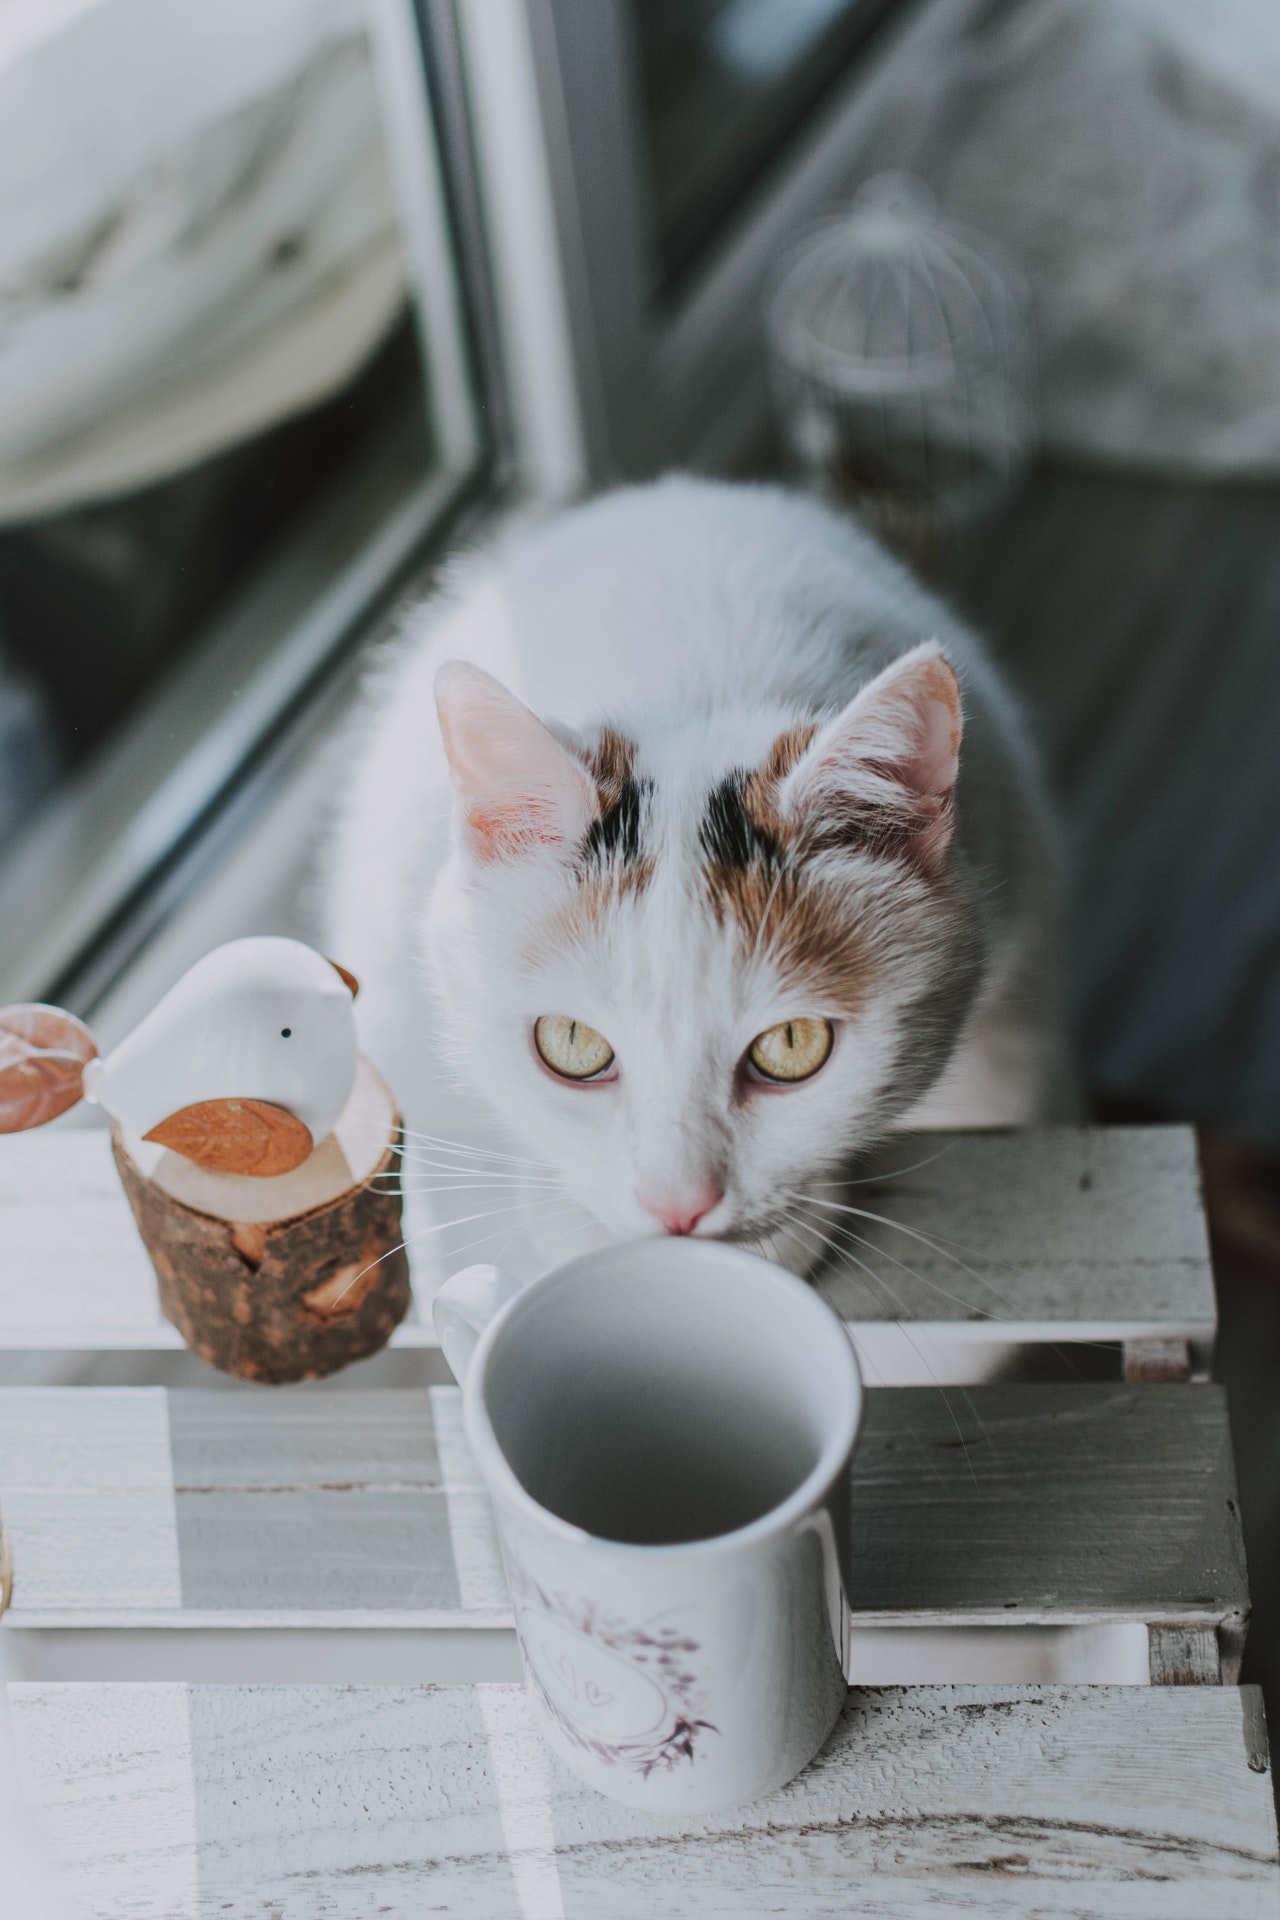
(347, 1803)
(179, 1554)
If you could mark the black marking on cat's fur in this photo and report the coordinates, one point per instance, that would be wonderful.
(729, 837)
(615, 837)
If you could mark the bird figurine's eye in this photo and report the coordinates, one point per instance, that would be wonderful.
(286, 1033)
(571, 1048)
(794, 1050)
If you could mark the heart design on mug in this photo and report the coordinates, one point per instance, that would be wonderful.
(589, 1682)
(564, 1667)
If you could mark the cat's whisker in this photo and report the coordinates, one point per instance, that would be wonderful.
(426, 1191)
(935, 1241)
(459, 1163)
(445, 1143)
(865, 1361)
(899, 1226)
(878, 1280)
(425, 1233)
(575, 1227)
(440, 1142)
(1002, 1300)
(897, 1173)
(934, 1286)
(470, 1246)
(1064, 1350)
(459, 1157)
(406, 1187)
(769, 1239)
(869, 1365)
(798, 1223)
(427, 1161)
(849, 1234)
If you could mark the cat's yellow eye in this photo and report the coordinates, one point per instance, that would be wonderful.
(792, 1051)
(570, 1047)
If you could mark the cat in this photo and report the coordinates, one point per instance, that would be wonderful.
(704, 846)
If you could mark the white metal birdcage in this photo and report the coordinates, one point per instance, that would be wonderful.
(901, 360)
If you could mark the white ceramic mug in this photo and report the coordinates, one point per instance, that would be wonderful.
(667, 1429)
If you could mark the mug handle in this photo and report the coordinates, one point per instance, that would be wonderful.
(463, 1308)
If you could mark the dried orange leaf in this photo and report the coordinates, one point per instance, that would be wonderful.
(236, 1136)
(43, 1053)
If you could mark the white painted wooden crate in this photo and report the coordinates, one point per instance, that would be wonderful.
(266, 1520)
(1069, 1235)
(271, 1512)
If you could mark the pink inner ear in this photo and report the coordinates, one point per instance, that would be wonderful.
(935, 703)
(894, 751)
(517, 787)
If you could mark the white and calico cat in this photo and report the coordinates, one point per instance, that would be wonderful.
(726, 855)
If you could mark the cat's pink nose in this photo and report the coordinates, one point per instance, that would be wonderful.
(680, 1213)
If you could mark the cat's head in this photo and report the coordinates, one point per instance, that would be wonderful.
(699, 965)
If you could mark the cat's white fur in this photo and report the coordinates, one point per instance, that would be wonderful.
(701, 620)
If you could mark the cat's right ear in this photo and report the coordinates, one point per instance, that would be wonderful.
(516, 787)
(885, 769)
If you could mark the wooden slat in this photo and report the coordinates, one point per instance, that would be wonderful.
(1081, 1233)
(86, 1488)
(1062, 1234)
(994, 1505)
(1048, 1502)
(171, 1802)
(1185, 1657)
(74, 1274)
(74, 1271)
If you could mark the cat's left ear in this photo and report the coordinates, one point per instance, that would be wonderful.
(517, 788)
(884, 770)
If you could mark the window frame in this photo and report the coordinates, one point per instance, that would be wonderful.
(684, 382)
(80, 876)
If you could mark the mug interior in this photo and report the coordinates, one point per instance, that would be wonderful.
(668, 1391)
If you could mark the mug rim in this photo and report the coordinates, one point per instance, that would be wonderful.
(837, 1448)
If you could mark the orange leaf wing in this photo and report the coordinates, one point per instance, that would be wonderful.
(236, 1136)
(43, 1053)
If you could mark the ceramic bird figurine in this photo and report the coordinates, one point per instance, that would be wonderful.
(242, 1067)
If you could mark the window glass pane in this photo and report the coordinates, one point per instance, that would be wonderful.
(725, 85)
(207, 339)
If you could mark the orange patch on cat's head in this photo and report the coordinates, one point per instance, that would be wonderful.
(593, 905)
(760, 789)
(613, 866)
(611, 764)
(798, 925)
(756, 883)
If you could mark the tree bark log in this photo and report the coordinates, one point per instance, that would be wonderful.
(286, 1299)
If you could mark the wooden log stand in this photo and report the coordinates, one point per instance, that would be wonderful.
(285, 1278)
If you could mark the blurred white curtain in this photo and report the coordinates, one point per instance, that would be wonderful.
(1127, 153)
(197, 233)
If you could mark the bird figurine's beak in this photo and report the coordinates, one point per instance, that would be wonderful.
(348, 979)
(236, 1136)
